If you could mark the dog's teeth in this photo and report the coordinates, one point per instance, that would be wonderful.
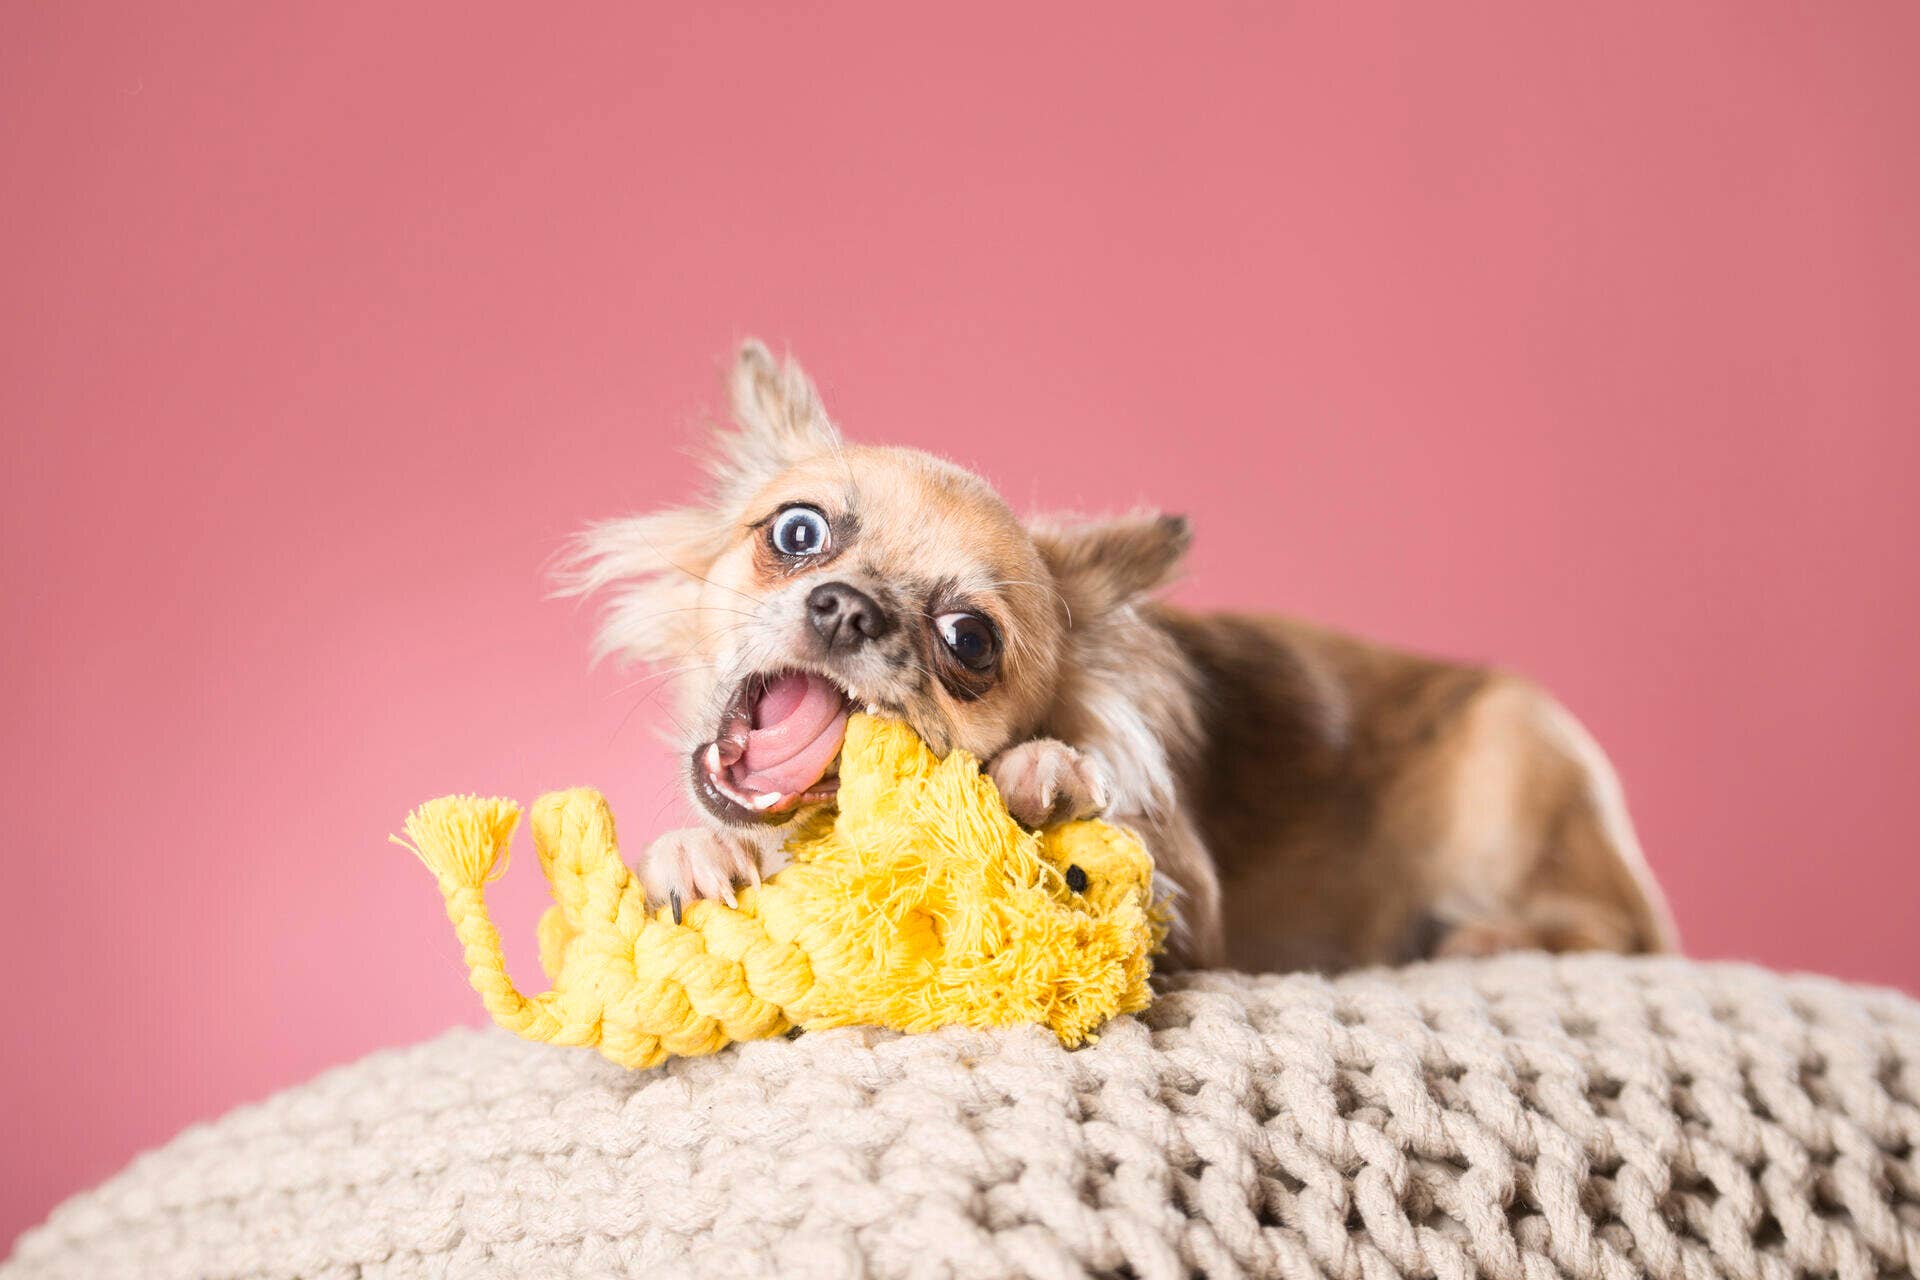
(768, 800)
(713, 756)
(873, 708)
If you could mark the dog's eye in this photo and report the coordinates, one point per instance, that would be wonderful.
(799, 531)
(970, 639)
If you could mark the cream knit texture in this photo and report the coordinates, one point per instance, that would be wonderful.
(1518, 1118)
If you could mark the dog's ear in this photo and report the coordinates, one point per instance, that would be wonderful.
(1102, 565)
(652, 568)
(778, 420)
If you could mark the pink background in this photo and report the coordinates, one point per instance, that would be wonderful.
(1584, 341)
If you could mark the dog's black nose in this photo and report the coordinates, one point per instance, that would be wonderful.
(846, 617)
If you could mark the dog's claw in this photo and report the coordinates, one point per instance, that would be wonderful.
(682, 867)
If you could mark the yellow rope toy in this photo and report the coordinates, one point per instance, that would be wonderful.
(919, 904)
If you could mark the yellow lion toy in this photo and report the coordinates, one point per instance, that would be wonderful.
(920, 903)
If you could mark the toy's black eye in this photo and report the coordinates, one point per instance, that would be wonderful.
(970, 639)
(1076, 879)
(798, 531)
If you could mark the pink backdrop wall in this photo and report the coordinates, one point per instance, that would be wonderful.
(1585, 342)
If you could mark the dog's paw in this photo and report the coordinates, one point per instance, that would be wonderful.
(1048, 781)
(697, 862)
(1478, 939)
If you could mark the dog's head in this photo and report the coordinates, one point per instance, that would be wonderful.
(819, 576)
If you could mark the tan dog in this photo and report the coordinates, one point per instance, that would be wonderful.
(1312, 800)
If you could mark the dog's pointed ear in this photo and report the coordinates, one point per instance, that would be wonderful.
(650, 569)
(1101, 565)
(777, 419)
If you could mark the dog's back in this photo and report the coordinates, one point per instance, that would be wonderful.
(1363, 805)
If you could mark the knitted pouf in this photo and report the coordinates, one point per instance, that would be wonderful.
(1522, 1117)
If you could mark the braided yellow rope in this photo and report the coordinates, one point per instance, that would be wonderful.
(920, 903)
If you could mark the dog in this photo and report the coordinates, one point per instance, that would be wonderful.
(1311, 800)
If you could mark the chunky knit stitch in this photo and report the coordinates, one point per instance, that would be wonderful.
(1518, 1118)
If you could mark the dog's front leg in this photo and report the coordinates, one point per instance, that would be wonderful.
(1186, 881)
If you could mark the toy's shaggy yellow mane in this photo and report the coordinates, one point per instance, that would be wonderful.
(918, 904)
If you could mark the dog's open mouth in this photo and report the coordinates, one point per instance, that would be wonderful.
(779, 743)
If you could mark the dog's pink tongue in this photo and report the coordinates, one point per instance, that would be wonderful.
(798, 724)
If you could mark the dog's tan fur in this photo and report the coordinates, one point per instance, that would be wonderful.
(1311, 800)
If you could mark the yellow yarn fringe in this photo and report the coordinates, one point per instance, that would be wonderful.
(920, 903)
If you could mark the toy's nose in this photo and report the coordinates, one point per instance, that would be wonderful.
(845, 616)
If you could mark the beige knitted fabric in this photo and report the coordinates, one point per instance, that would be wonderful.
(1518, 1118)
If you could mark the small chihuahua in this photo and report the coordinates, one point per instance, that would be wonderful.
(1310, 800)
